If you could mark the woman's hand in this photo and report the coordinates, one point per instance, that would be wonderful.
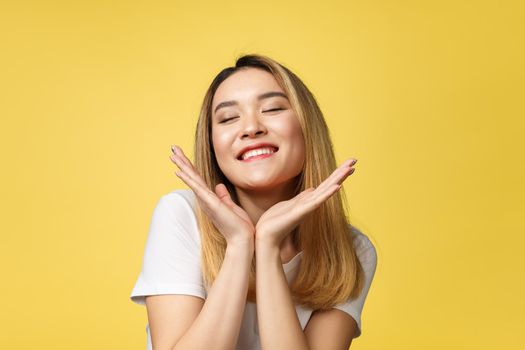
(280, 219)
(230, 219)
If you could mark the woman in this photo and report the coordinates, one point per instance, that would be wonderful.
(258, 253)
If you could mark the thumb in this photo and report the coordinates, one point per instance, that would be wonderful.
(223, 194)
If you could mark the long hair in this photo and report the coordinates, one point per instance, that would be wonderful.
(330, 272)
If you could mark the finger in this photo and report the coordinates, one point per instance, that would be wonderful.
(323, 193)
(305, 192)
(225, 197)
(332, 184)
(338, 175)
(223, 194)
(335, 175)
(188, 169)
(178, 151)
(344, 170)
(202, 192)
(197, 187)
(316, 199)
(196, 183)
(208, 200)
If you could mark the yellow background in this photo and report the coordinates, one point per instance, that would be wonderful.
(428, 95)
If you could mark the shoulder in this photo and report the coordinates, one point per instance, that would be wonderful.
(178, 205)
(175, 214)
(179, 198)
(364, 247)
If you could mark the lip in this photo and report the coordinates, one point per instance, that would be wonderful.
(260, 156)
(254, 146)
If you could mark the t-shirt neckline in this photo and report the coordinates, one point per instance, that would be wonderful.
(293, 263)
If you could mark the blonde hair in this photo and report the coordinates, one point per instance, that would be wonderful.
(330, 272)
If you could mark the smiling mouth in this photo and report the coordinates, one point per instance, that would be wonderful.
(259, 156)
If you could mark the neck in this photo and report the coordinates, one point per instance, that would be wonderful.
(255, 203)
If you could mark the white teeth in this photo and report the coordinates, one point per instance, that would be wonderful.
(256, 152)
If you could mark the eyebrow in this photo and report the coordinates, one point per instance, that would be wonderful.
(260, 97)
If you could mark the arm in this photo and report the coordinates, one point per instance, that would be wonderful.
(335, 328)
(279, 327)
(330, 330)
(218, 324)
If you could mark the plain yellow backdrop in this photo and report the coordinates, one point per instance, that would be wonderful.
(427, 95)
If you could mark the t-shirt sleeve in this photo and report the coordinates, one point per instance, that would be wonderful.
(171, 262)
(367, 255)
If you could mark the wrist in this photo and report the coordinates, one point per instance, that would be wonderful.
(266, 243)
(267, 252)
(241, 244)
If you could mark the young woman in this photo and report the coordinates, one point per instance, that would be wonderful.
(258, 253)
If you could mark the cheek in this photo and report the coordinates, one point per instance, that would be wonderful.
(222, 144)
(297, 135)
(298, 148)
(292, 131)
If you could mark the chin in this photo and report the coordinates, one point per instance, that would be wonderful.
(262, 185)
(256, 187)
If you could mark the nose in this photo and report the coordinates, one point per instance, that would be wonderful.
(252, 126)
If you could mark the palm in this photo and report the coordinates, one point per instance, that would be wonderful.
(230, 219)
(280, 219)
(224, 197)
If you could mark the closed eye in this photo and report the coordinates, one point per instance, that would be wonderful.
(225, 120)
(274, 109)
(269, 110)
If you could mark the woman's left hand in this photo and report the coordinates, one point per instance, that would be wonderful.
(280, 219)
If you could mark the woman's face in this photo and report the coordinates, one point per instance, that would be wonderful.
(242, 117)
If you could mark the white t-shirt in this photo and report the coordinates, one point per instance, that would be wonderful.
(171, 265)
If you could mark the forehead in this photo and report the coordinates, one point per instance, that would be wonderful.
(245, 85)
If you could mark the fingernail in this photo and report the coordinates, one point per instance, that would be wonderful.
(353, 161)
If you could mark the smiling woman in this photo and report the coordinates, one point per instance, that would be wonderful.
(249, 94)
(259, 252)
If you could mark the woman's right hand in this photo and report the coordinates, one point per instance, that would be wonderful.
(231, 220)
